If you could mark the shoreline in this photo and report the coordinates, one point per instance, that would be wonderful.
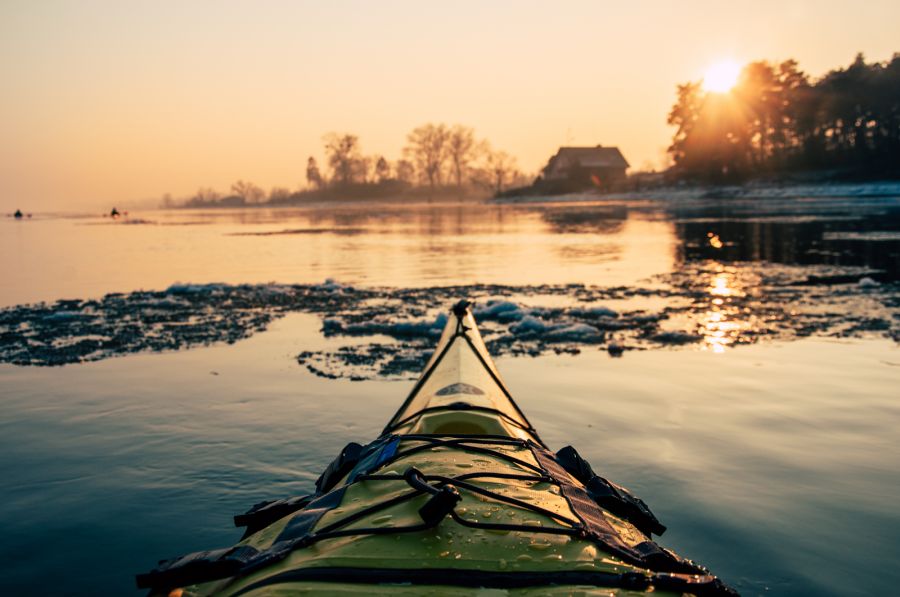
(724, 192)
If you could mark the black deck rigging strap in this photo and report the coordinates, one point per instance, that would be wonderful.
(302, 524)
(646, 554)
(265, 513)
(610, 496)
(339, 467)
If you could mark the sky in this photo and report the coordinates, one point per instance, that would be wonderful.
(114, 102)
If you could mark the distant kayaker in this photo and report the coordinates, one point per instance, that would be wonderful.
(114, 213)
(18, 215)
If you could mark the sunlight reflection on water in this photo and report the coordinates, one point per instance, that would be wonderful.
(721, 324)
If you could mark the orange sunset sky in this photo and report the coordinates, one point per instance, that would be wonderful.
(119, 101)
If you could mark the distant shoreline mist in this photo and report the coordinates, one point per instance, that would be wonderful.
(438, 162)
(380, 192)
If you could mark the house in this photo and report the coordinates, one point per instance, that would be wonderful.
(577, 168)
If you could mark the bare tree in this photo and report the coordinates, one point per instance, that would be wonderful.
(428, 150)
(382, 169)
(248, 191)
(461, 150)
(404, 171)
(313, 176)
(343, 157)
(279, 195)
(361, 168)
(501, 166)
(207, 195)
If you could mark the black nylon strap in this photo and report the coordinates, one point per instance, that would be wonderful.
(339, 467)
(610, 496)
(646, 554)
(590, 515)
(302, 524)
(265, 513)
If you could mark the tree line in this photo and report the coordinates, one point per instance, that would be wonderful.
(437, 159)
(435, 155)
(777, 120)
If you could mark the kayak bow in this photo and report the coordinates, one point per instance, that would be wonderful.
(457, 493)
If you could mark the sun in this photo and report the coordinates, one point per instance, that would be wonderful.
(721, 76)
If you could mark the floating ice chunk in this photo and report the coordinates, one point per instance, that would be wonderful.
(529, 325)
(499, 310)
(180, 288)
(331, 285)
(615, 349)
(592, 312)
(676, 338)
(277, 289)
(331, 327)
(165, 302)
(65, 316)
(420, 328)
(423, 328)
(868, 282)
(576, 332)
(439, 322)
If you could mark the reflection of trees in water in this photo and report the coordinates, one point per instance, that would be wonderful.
(792, 242)
(594, 252)
(603, 219)
(425, 220)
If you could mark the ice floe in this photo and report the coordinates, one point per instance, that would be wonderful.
(392, 331)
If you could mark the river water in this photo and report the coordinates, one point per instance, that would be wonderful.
(754, 405)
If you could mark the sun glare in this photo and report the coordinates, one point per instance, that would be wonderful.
(721, 76)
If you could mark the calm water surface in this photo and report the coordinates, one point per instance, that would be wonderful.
(777, 465)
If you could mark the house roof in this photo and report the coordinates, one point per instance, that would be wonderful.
(590, 157)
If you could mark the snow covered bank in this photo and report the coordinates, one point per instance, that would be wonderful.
(748, 191)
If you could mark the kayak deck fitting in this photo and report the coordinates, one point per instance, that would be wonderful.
(458, 493)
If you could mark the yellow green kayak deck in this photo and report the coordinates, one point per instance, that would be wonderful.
(458, 495)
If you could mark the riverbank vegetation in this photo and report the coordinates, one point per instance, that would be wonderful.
(438, 161)
(778, 122)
